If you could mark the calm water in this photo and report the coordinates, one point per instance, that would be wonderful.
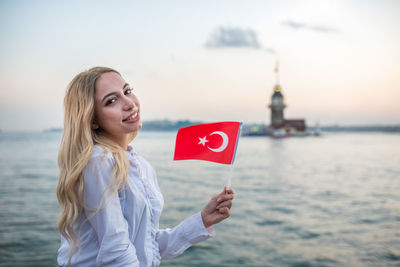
(332, 200)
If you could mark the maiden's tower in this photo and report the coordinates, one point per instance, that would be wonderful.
(279, 126)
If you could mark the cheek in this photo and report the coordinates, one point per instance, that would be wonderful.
(106, 116)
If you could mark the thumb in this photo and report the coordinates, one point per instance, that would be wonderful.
(227, 190)
(216, 197)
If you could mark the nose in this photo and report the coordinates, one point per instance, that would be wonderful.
(128, 103)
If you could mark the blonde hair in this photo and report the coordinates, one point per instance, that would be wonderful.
(76, 149)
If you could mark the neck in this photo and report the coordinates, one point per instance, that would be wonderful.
(122, 141)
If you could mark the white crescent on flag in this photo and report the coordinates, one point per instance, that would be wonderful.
(225, 141)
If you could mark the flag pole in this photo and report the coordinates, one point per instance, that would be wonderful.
(228, 184)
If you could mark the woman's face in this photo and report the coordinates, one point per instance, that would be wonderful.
(117, 109)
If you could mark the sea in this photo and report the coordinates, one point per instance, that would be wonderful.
(331, 200)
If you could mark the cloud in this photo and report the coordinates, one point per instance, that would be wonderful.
(233, 37)
(229, 37)
(292, 24)
(323, 29)
(299, 25)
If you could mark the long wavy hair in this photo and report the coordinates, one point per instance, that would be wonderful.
(76, 148)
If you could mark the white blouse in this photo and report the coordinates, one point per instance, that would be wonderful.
(125, 230)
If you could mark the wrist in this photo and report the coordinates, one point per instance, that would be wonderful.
(204, 219)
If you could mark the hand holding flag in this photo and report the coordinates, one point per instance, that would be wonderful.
(216, 142)
(218, 208)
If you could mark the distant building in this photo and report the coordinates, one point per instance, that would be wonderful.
(277, 106)
(297, 124)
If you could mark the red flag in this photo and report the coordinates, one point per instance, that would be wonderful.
(215, 142)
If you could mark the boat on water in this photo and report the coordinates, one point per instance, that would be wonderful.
(290, 132)
(279, 133)
(264, 130)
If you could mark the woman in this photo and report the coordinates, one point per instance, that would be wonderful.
(109, 196)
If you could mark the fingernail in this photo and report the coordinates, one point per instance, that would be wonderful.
(219, 199)
(217, 207)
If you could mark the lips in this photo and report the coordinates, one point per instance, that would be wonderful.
(132, 117)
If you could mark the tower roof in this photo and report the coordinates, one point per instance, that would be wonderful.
(277, 91)
(277, 88)
(277, 95)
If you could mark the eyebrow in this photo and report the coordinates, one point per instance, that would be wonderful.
(113, 93)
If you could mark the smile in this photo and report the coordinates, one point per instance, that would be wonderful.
(131, 117)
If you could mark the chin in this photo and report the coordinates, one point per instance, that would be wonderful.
(137, 128)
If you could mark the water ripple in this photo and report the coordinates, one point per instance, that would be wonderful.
(329, 201)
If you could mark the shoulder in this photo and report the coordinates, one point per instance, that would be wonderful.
(100, 152)
(100, 161)
(101, 156)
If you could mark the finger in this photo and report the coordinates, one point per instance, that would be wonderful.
(218, 196)
(228, 190)
(227, 203)
(224, 198)
(222, 193)
(224, 211)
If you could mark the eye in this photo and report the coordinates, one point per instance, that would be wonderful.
(111, 100)
(128, 91)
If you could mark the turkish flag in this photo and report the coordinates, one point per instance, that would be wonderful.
(215, 142)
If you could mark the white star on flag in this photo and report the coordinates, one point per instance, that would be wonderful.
(203, 141)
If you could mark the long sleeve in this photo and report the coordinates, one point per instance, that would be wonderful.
(173, 242)
(115, 247)
(170, 242)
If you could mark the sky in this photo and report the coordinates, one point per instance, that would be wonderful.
(339, 61)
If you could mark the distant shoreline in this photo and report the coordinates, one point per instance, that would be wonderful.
(169, 125)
